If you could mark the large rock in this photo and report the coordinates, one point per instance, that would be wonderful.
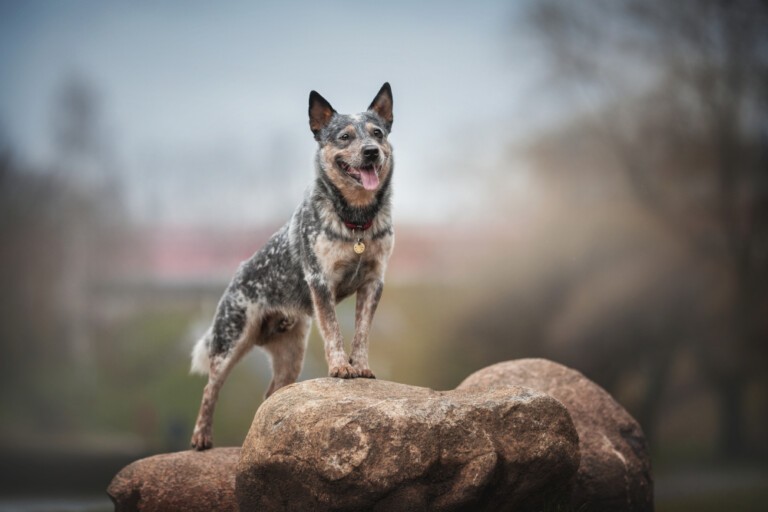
(615, 470)
(185, 481)
(333, 444)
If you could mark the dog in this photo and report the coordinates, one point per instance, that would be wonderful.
(337, 243)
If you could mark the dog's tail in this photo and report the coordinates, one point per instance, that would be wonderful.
(201, 361)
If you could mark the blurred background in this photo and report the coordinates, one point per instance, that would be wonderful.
(582, 181)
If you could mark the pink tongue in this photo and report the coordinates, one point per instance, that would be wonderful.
(369, 179)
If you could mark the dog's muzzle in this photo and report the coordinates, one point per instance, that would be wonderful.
(366, 175)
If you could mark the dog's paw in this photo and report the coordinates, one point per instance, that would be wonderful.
(344, 371)
(365, 373)
(202, 441)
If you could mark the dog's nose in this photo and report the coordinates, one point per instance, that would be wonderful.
(370, 152)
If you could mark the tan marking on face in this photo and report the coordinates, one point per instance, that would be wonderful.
(369, 127)
(354, 193)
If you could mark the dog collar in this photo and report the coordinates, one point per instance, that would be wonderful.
(359, 227)
(359, 246)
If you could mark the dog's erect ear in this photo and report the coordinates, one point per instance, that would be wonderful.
(382, 105)
(320, 113)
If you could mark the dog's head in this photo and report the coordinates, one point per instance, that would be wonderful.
(354, 152)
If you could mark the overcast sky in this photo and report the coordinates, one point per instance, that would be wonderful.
(204, 104)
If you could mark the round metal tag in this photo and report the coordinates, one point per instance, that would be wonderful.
(359, 248)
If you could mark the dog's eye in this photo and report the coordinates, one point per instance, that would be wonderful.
(344, 136)
(377, 133)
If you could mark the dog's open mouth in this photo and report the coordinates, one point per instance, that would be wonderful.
(367, 175)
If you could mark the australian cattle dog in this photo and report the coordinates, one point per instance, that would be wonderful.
(337, 243)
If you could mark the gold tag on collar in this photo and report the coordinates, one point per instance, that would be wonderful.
(359, 247)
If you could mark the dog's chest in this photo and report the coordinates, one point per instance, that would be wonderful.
(344, 269)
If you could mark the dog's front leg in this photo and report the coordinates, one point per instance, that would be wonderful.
(367, 300)
(323, 302)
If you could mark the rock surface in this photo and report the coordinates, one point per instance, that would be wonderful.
(333, 444)
(615, 469)
(184, 481)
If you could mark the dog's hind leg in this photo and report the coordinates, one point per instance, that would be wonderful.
(232, 338)
(286, 342)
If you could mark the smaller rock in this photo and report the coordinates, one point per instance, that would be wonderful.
(615, 469)
(187, 481)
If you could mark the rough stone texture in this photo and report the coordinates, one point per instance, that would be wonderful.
(615, 470)
(184, 481)
(333, 444)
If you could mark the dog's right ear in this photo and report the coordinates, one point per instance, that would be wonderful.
(320, 113)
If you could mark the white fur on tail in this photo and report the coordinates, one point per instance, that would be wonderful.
(201, 363)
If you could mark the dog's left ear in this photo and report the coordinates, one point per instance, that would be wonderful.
(320, 113)
(382, 105)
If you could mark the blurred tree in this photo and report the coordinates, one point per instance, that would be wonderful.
(75, 122)
(60, 227)
(86, 172)
(679, 92)
(30, 275)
